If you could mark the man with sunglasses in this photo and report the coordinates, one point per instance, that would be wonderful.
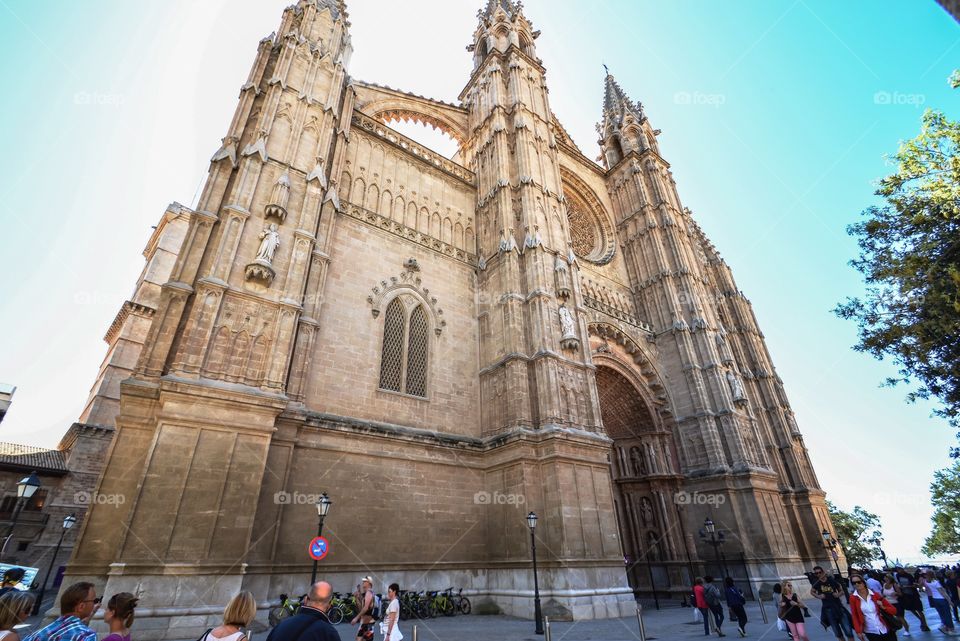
(830, 594)
(77, 605)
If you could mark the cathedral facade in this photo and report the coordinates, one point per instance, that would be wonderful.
(442, 346)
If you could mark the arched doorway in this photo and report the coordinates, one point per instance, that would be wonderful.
(646, 478)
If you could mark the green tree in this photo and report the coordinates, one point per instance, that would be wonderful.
(945, 498)
(858, 533)
(909, 254)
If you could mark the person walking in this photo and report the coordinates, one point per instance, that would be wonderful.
(775, 597)
(871, 612)
(736, 601)
(891, 592)
(700, 601)
(790, 610)
(910, 597)
(119, 616)
(828, 591)
(77, 604)
(391, 620)
(953, 591)
(939, 599)
(15, 607)
(711, 594)
(310, 623)
(365, 610)
(239, 613)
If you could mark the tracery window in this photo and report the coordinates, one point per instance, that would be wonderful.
(405, 351)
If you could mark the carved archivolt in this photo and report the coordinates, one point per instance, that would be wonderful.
(646, 368)
(591, 231)
(407, 282)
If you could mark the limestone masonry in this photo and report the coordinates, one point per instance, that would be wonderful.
(442, 345)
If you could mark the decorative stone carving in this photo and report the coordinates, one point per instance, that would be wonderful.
(561, 272)
(646, 511)
(279, 198)
(410, 281)
(736, 388)
(568, 340)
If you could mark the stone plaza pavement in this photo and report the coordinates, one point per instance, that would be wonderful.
(671, 622)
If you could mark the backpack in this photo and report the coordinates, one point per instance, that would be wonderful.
(377, 610)
(711, 594)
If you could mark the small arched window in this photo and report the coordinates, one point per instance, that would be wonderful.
(404, 355)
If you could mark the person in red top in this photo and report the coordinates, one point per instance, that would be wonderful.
(866, 608)
(701, 602)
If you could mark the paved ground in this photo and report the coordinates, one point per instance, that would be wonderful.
(672, 622)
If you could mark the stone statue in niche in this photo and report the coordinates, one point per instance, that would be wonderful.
(269, 242)
(736, 387)
(646, 511)
(568, 338)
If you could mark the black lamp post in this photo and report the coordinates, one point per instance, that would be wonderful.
(716, 540)
(831, 544)
(26, 488)
(323, 507)
(537, 613)
(68, 522)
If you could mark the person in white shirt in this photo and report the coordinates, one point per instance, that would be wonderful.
(939, 599)
(391, 620)
(865, 605)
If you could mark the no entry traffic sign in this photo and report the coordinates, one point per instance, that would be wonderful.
(318, 548)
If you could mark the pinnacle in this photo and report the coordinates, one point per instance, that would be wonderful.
(511, 7)
(616, 103)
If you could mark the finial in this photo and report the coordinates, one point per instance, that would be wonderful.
(606, 69)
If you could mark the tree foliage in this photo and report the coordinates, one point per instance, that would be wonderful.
(909, 254)
(945, 498)
(858, 533)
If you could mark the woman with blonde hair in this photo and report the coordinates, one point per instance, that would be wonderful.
(119, 616)
(791, 611)
(15, 607)
(238, 614)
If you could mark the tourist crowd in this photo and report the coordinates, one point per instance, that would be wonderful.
(79, 602)
(870, 605)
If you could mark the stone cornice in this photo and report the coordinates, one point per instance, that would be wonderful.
(128, 307)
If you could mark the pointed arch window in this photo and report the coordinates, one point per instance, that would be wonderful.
(406, 345)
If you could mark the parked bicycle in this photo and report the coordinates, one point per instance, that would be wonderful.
(287, 608)
(462, 602)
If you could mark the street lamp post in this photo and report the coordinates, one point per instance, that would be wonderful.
(537, 613)
(716, 540)
(26, 488)
(831, 543)
(323, 507)
(68, 522)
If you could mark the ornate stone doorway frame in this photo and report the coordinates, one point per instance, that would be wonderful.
(645, 464)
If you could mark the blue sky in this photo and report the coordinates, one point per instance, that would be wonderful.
(776, 117)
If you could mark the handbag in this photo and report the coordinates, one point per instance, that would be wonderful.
(892, 622)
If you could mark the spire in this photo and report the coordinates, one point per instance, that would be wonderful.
(510, 8)
(616, 103)
(625, 127)
(337, 7)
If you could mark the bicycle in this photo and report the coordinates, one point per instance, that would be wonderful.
(342, 608)
(443, 602)
(287, 608)
(462, 602)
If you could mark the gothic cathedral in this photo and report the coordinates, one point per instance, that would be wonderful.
(442, 346)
